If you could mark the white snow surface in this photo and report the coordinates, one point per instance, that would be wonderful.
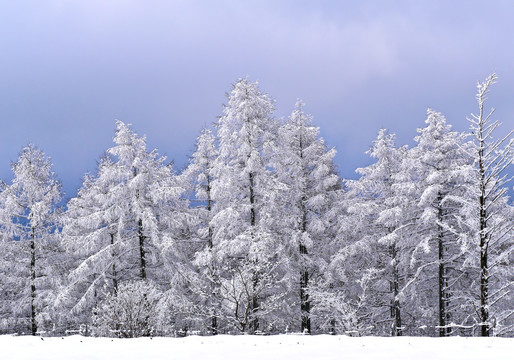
(248, 347)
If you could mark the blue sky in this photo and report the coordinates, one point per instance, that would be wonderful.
(69, 68)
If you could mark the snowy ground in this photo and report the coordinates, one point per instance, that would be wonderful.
(227, 347)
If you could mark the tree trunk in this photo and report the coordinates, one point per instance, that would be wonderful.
(484, 286)
(484, 276)
(142, 253)
(254, 326)
(209, 208)
(214, 325)
(396, 310)
(141, 236)
(252, 200)
(33, 283)
(305, 305)
(442, 274)
(114, 272)
(332, 328)
(443, 331)
(214, 318)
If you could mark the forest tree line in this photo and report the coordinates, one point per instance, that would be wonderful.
(259, 234)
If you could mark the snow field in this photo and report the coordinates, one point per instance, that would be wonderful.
(227, 347)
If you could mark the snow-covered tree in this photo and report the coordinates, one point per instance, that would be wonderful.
(199, 271)
(197, 180)
(305, 168)
(242, 191)
(29, 213)
(133, 311)
(377, 201)
(489, 216)
(439, 171)
(91, 236)
(143, 183)
(120, 221)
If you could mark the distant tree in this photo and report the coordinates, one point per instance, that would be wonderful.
(29, 214)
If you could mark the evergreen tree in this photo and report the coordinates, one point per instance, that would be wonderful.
(439, 169)
(242, 190)
(118, 224)
(305, 168)
(202, 279)
(29, 214)
(377, 200)
(91, 235)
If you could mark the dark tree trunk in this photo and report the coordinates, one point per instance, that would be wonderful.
(255, 305)
(33, 283)
(214, 325)
(142, 253)
(214, 318)
(484, 279)
(252, 199)
(114, 272)
(396, 309)
(444, 330)
(305, 305)
(254, 326)
(332, 328)
(484, 275)
(209, 208)
(141, 237)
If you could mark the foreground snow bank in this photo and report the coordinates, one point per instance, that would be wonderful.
(227, 347)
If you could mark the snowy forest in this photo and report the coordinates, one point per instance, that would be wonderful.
(258, 234)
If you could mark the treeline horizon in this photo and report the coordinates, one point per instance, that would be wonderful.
(259, 234)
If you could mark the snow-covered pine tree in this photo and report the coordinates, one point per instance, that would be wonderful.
(201, 274)
(119, 223)
(305, 168)
(197, 179)
(242, 191)
(439, 168)
(377, 202)
(91, 235)
(140, 174)
(489, 216)
(29, 212)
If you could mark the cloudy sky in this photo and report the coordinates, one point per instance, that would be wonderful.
(69, 68)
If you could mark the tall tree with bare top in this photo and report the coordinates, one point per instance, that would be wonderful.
(489, 215)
